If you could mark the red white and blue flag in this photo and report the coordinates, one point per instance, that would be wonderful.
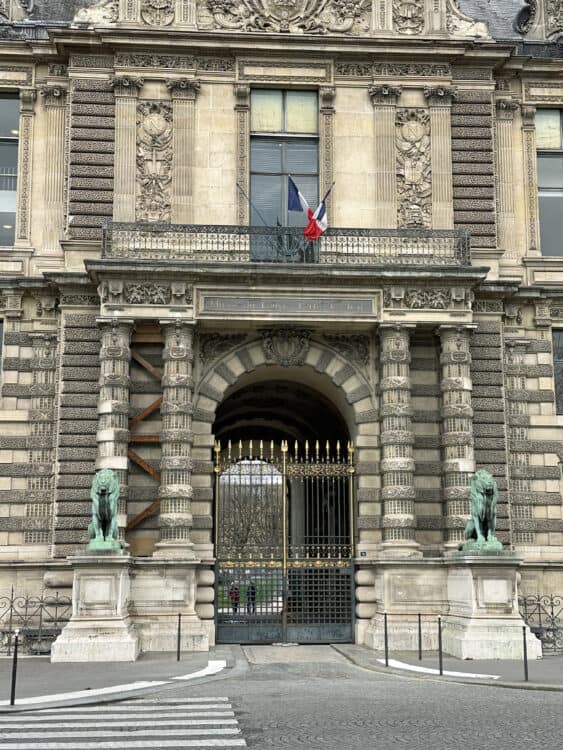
(318, 222)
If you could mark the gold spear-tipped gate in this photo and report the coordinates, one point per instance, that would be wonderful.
(284, 540)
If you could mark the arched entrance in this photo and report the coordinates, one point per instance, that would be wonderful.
(284, 523)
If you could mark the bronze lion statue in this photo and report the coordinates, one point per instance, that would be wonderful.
(480, 528)
(103, 530)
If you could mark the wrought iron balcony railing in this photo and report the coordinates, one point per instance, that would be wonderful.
(231, 243)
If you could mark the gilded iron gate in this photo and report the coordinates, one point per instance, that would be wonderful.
(284, 531)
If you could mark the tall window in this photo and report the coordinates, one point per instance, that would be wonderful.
(549, 139)
(9, 131)
(558, 369)
(284, 141)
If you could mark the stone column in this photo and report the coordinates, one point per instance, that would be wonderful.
(126, 94)
(25, 151)
(531, 179)
(176, 442)
(384, 99)
(457, 430)
(113, 405)
(54, 98)
(183, 92)
(439, 106)
(397, 440)
(506, 220)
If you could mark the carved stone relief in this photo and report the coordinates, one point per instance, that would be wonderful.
(355, 349)
(459, 24)
(408, 16)
(214, 345)
(157, 12)
(115, 292)
(414, 173)
(553, 16)
(428, 298)
(286, 346)
(105, 11)
(291, 16)
(154, 161)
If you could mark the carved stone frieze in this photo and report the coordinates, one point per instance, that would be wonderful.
(354, 348)
(154, 161)
(487, 305)
(183, 88)
(214, 345)
(414, 171)
(384, 93)
(293, 16)
(353, 69)
(286, 346)
(156, 294)
(103, 12)
(408, 16)
(430, 298)
(157, 12)
(175, 62)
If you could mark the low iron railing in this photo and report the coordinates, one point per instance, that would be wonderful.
(544, 616)
(232, 243)
(39, 619)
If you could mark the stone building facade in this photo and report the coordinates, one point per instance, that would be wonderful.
(143, 320)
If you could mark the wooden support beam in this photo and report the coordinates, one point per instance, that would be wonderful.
(145, 413)
(154, 473)
(143, 514)
(154, 371)
(144, 439)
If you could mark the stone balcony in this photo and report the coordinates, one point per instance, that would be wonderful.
(244, 244)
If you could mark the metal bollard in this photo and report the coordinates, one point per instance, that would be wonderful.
(179, 639)
(386, 639)
(440, 656)
(525, 652)
(14, 668)
(419, 637)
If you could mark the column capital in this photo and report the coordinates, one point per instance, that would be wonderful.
(54, 96)
(506, 108)
(113, 322)
(127, 85)
(440, 96)
(384, 93)
(183, 88)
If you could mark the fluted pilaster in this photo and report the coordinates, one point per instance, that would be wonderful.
(183, 92)
(113, 406)
(54, 98)
(126, 94)
(439, 107)
(506, 218)
(397, 441)
(531, 172)
(457, 429)
(384, 99)
(176, 442)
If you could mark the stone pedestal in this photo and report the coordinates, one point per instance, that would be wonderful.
(483, 620)
(100, 628)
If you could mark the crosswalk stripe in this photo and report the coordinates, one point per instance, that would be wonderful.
(164, 715)
(183, 701)
(121, 709)
(119, 744)
(56, 734)
(140, 723)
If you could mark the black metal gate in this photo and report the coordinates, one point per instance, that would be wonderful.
(284, 530)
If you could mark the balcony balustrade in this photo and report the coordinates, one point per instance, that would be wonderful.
(244, 244)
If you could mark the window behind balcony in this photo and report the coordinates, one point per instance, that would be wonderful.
(9, 131)
(549, 140)
(284, 141)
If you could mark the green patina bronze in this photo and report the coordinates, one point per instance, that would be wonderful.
(480, 529)
(103, 529)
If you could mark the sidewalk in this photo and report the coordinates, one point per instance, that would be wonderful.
(42, 684)
(544, 674)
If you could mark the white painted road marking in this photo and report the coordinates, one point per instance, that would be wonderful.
(430, 670)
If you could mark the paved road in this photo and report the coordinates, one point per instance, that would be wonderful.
(322, 702)
(197, 723)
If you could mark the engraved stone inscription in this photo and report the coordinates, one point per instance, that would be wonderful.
(291, 305)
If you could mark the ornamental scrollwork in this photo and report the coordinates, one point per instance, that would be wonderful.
(429, 298)
(286, 346)
(553, 16)
(157, 12)
(291, 16)
(214, 345)
(408, 16)
(154, 161)
(155, 294)
(414, 177)
(354, 348)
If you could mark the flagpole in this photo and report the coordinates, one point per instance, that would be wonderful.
(253, 206)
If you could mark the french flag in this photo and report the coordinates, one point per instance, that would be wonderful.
(318, 222)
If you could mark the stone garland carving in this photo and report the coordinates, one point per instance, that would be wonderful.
(433, 298)
(355, 349)
(157, 12)
(286, 346)
(176, 62)
(157, 294)
(105, 11)
(392, 70)
(214, 345)
(294, 16)
(408, 16)
(414, 172)
(154, 161)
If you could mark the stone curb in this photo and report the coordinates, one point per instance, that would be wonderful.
(436, 678)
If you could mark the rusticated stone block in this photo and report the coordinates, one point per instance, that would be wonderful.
(72, 427)
(77, 454)
(535, 472)
(487, 326)
(75, 509)
(486, 404)
(488, 430)
(531, 396)
(102, 97)
(487, 391)
(70, 536)
(488, 455)
(16, 338)
(17, 390)
(79, 399)
(16, 363)
(77, 170)
(89, 374)
(479, 340)
(23, 523)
